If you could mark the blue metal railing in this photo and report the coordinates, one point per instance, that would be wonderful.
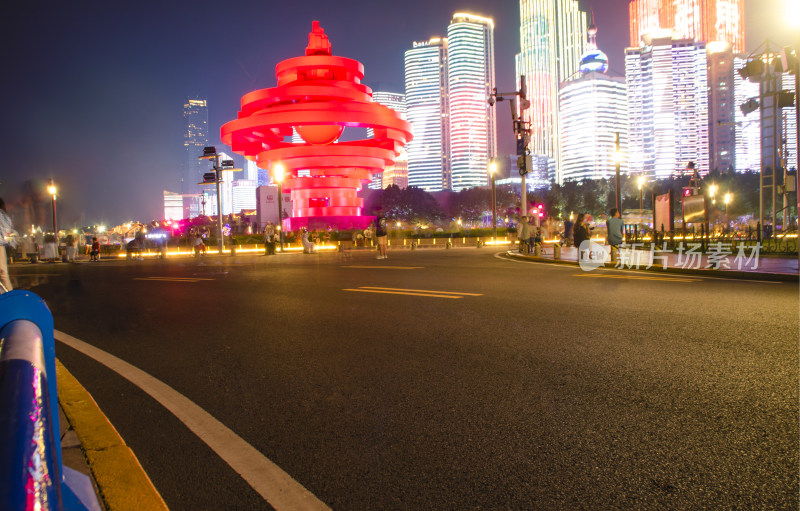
(31, 472)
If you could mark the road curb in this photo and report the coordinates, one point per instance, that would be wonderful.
(742, 275)
(121, 480)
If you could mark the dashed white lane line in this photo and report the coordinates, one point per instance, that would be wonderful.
(265, 477)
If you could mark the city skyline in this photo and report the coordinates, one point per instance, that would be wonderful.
(110, 81)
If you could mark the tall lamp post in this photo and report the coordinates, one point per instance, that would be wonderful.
(278, 173)
(51, 189)
(492, 172)
(617, 162)
(641, 193)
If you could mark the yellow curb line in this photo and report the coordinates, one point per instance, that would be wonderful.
(122, 481)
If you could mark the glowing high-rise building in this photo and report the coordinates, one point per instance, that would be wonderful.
(667, 107)
(470, 76)
(195, 138)
(748, 126)
(698, 20)
(396, 102)
(721, 107)
(427, 110)
(552, 42)
(593, 109)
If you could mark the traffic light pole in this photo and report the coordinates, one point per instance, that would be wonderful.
(522, 132)
(218, 172)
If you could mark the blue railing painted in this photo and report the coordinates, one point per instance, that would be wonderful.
(32, 475)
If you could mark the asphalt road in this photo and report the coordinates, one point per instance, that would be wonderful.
(544, 388)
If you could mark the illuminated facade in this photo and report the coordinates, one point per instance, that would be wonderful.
(470, 78)
(396, 102)
(748, 127)
(195, 138)
(552, 42)
(593, 109)
(721, 107)
(397, 174)
(243, 195)
(699, 20)
(667, 107)
(316, 96)
(173, 206)
(789, 125)
(426, 104)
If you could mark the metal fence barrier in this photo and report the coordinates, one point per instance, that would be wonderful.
(32, 475)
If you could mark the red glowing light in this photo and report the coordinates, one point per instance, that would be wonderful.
(318, 95)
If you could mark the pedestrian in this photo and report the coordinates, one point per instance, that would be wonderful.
(580, 233)
(308, 245)
(381, 235)
(7, 237)
(94, 254)
(524, 235)
(568, 227)
(70, 250)
(269, 239)
(50, 248)
(199, 246)
(614, 225)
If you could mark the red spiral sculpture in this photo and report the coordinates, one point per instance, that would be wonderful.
(319, 95)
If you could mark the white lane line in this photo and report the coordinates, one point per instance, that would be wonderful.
(501, 256)
(273, 484)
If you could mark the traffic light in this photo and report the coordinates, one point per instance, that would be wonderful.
(209, 177)
(521, 165)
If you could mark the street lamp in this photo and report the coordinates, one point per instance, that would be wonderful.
(617, 162)
(641, 197)
(492, 172)
(712, 191)
(52, 191)
(728, 199)
(278, 174)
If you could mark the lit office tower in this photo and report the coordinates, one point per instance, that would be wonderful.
(748, 125)
(699, 20)
(552, 40)
(195, 138)
(789, 125)
(396, 102)
(470, 78)
(721, 107)
(593, 110)
(243, 194)
(667, 107)
(426, 104)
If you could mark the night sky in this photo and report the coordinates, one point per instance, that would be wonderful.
(93, 91)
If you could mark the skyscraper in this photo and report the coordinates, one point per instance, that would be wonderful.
(698, 20)
(427, 109)
(552, 41)
(195, 138)
(396, 102)
(593, 109)
(748, 126)
(721, 107)
(667, 107)
(470, 75)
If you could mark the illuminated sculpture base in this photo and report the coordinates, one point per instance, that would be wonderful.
(321, 223)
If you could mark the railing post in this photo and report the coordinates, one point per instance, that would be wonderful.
(31, 469)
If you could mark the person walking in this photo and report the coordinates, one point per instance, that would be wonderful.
(70, 249)
(269, 239)
(381, 234)
(6, 231)
(524, 235)
(614, 225)
(580, 233)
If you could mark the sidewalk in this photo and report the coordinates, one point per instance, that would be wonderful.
(733, 265)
